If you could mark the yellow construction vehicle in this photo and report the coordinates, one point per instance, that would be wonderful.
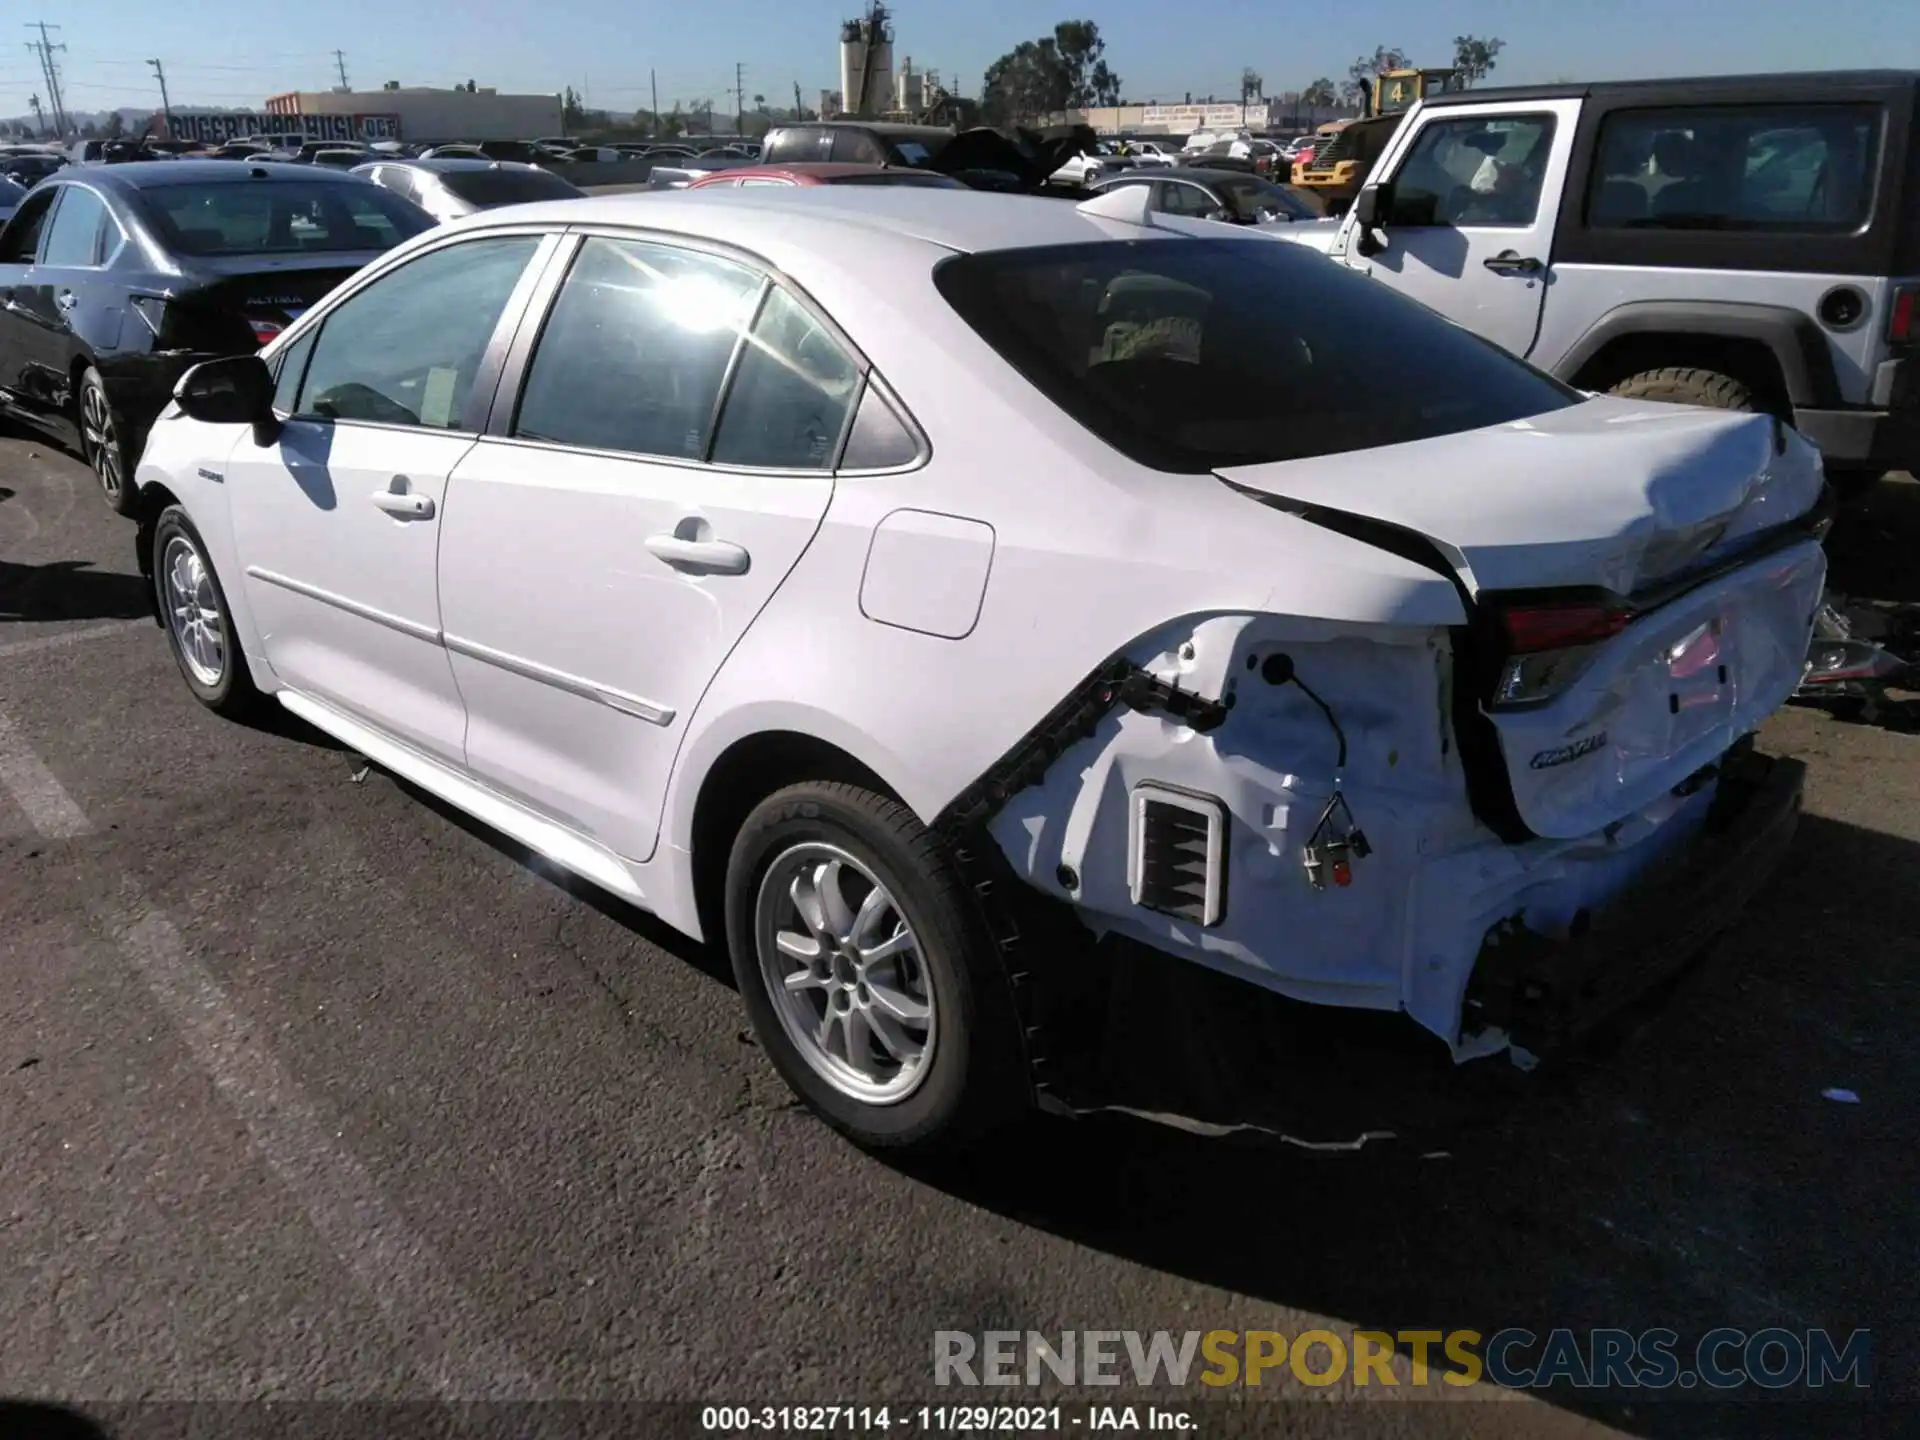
(1346, 150)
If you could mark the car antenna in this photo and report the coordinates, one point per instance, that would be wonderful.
(1121, 202)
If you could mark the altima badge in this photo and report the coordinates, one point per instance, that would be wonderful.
(1567, 754)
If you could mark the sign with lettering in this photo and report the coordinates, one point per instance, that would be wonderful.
(1187, 119)
(238, 125)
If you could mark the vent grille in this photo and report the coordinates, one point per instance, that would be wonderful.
(1176, 859)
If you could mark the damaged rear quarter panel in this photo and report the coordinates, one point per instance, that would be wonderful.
(1273, 763)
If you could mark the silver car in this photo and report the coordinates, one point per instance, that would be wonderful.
(448, 189)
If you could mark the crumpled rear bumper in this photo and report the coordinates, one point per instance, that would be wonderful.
(1544, 993)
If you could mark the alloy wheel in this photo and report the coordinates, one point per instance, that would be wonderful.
(845, 973)
(101, 439)
(193, 611)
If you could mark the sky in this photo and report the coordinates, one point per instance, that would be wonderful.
(1161, 50)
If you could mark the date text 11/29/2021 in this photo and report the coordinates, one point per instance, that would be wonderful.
(940, 1419)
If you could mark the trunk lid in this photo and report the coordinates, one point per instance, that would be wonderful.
(229, 302)
(1628, 519)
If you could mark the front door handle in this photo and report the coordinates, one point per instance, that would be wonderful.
(66, 299)
(1512, 262)
(715, 557)
(404, 503)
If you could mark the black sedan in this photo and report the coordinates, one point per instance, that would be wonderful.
(1229, 195)
(114, 280)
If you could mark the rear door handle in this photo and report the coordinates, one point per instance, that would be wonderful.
(404, 503)
(1512, 262)
(66, 299)
(718, 557)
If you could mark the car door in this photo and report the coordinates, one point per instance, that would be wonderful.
(338, 521)
(68, 282)
(1468, 228)
(610, 543)
(19, 247)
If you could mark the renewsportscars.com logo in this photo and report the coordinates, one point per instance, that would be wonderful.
(1514, 1358)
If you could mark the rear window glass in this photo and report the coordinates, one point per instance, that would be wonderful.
(1193, 355)
(506, 187)
(1761, 167)
(276, 217)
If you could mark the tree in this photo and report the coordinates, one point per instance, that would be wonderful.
(1320, 95)
(1474, 57)
(571, 110)
(1362, 74)
(116, 127)
(1066, 70)
(1026, 83)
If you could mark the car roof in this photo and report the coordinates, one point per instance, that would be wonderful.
(891, 131)
(1813, 84)
(774, 220)
(145, 174)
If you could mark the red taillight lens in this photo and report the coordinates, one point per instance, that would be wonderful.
(1900, 324)
(264, 330)
(1532, 629)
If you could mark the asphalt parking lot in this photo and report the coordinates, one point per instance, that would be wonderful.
(310, 1091)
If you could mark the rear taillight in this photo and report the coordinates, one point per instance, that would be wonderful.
(264, 330)
(1900, 324)
(1548, 646)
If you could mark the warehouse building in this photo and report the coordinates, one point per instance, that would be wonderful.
(428, 114)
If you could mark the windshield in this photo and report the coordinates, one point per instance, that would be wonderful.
(280, 217)
(506, 187)
(1193, 355)
(10, 193)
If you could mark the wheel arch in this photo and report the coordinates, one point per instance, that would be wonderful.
(742, 774)
(1779, 352)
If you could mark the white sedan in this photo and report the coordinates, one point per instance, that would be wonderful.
(875, 581)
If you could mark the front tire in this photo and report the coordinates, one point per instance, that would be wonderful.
(868, 973)
(199, 623)
(104, 444)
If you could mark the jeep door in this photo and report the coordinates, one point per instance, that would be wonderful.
(1471, 193)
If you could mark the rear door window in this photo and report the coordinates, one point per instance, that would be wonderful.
(1193, 355)
(1779, 168)
(74, 238)
(791, 392)
(636, 348)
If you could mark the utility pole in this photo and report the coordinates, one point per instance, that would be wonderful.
(166, 105)
(739, 99)
(798, 108)
(50, 68)
(39, 119)
(340, 62)
(653, 84)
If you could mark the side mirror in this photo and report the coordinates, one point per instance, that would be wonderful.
(234, 391)
(1372, 206)
(1217, 214)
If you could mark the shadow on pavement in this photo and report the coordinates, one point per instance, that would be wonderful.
(1694, 1178)
(69, 590)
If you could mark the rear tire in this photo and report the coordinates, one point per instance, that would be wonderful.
(199, 623)
(1685, 385)
(104, 444)
(889, 1016)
